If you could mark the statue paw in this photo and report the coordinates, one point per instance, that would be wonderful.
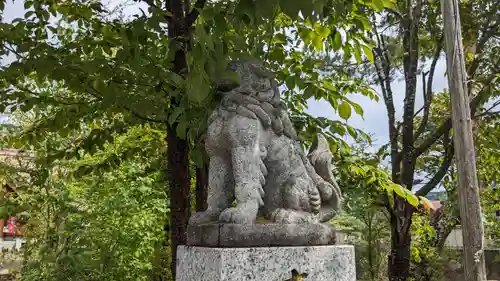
(204, 217)
(326, 190)
(236, 216)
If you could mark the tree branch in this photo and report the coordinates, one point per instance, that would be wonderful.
(18, 55)
(410, 64)
(383, 73)
(98, 95)
(489, 112)
(428, 92)
(394, 12)
(446, 126)
(439, 175)
(53, 100)
(488, 31)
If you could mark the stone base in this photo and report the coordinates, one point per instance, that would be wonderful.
(321, 263)
(260, 235)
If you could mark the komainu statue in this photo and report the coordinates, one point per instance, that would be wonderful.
(257, 166)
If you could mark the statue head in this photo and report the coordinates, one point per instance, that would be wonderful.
(250, 76)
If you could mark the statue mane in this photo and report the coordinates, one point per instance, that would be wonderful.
(256, 96)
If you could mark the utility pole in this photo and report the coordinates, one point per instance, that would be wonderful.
(468, 191)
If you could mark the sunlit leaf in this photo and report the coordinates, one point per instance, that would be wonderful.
(369, 53)
(344, 110)
(322, 31)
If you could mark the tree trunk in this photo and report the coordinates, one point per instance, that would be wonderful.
(201, 188)
(179, 190)
(399, 259)
(178, 148)
(370, 249)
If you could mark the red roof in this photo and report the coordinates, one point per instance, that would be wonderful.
(436, 205)
(11, 152)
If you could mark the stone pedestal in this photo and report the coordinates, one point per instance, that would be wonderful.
(321, 263)
(260, 235)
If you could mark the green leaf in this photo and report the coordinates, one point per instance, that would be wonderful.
(290, 82)
(307, 35)
(280, 38)
(352, 132)
(362, 23)
(181, 129)
(470, 56)
(337, 128)
(371, 180)
(176, 79)
(307, 10)
(369, 53)
(197, 89)
(291, 7)
(347, 52)
(310, 91)
(220, 24)
(357, 108)
(344, 110)
(246, 7)
(411, 198)
(318, 43)
(337, 41)
(378, 5)
(322, 31)
(357, 54)
(277, 54)
(28, 4)
(197, 157)
(398, 189)
(391, 4)
(265, 8)
(175, 115)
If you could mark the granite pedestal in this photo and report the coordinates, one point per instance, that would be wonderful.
(321, 263)
(260, 235)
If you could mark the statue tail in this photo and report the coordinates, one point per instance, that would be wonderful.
(321, 159)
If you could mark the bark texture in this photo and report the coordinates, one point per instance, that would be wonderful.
(468, 191)
(180, 20)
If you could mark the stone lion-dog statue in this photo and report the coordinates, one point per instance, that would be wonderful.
(257, 166)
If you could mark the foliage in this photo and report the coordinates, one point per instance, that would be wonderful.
(408, 45)
(102, 223)
(428, 262)
(489, 174)
(110, 64)
(104, 66)
(362, 220)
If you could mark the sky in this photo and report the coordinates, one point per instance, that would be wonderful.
(375, 120)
